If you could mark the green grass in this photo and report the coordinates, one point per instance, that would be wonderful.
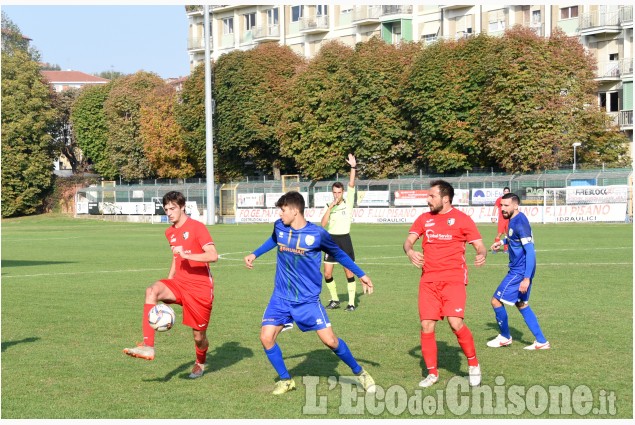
(72, 294)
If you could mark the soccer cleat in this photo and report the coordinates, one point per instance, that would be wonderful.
(286, 327)
(499, 341)
(197, 370)
(475, 375)
(538, 346)
(284, 386)
(141, 351)
(429, 381)
(350, 307)
(332, 305)
(367, 381)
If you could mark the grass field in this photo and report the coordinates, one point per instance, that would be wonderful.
(72, 295)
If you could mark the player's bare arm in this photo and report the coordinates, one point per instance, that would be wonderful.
(415, 257)
(210, 255)
(481, 252)
(353, 163)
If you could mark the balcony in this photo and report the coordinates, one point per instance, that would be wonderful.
(197, 43)
(396, 10)
(314, 25)
(537, 27)
(601, 23)
(366, 15)
(262, 34)
(625, 120)
(614, 70)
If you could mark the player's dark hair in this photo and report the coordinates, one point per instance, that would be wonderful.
(445, 188)
(515, 199)
(292, 199)
(174, 196)
(337, 185)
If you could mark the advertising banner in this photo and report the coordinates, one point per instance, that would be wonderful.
(413, 198)
(249, 200)
(486, 196)
(597, 194)
(373, 198)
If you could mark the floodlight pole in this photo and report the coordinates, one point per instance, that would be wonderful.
(209, 129)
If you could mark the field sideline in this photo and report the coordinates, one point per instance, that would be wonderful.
(72, 294)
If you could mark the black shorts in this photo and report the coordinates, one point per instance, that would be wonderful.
(345, 243)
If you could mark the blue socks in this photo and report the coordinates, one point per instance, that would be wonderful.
(342, 351)
(274, 354)
(501, 319)
(532, 324)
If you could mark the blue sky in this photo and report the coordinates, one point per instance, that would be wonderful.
(96, 38)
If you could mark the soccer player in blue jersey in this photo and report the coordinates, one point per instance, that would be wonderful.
(516, 286)
(297, 287)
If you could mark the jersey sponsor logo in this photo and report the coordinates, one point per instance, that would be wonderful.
(429, 223)
(173, 239)
(299, 251)
(451, 221)
(310, 239)
(430, 235)
(186, 235)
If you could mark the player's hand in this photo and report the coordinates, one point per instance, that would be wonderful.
(351, 160)
(496, 246)
(479, 260)
(494, 219)
(524, 285)
(249, 261)
(177, 250)
(367, 285)
(415, 258)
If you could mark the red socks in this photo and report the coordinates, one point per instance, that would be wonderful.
(466, 341)
(429, 352)
(148, 332)
(201, 354)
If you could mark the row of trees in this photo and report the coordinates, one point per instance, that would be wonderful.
(516, 103)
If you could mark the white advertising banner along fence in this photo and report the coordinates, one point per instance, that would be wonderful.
(373, 198)
(597, 194)
(273, 197)
(486, 196)
(480, 214)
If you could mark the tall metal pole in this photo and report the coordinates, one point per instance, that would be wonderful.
(209, 129)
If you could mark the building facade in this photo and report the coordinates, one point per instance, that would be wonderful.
(605, 31)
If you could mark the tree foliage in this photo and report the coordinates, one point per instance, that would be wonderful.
(91, 127)
(124, 146)
(65, 142)
(190, 115)
(161, 135)
(251, 93)
(27, 148)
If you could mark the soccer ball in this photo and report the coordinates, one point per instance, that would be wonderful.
(161, 317)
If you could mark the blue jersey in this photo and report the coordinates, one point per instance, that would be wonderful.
(298, 275)
(522, 255)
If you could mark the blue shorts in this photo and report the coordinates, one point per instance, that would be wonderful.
(309, 316)
(508, 291)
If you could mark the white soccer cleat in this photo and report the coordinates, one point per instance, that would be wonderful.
(367, 381)
(197, 370)
(499, 341)
(538, 346)
(141, 351)
(475, 375)
(429, 381)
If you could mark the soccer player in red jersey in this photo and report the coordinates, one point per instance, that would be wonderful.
(444, 232)
(189, 283)
(501, 221)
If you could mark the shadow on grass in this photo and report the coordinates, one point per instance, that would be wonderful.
(24, 263)
(515, 333)
(321, 362)
(7, 344)
(448, 357)
(221, 357)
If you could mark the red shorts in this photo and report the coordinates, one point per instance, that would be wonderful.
(441, 299)
(197, 303)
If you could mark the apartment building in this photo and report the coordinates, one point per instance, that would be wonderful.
(605, 31)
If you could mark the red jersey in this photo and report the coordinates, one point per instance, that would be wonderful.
(443, 241)
(192, 236)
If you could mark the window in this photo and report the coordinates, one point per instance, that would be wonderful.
(228, 26)
(614, 56)
(496, 20)
(535, 17)
(296, 13)
(429, 38)
(272, 17)
(346, 9)
(322, 10)
(569, 12)
(609, 101)
(250, 21)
